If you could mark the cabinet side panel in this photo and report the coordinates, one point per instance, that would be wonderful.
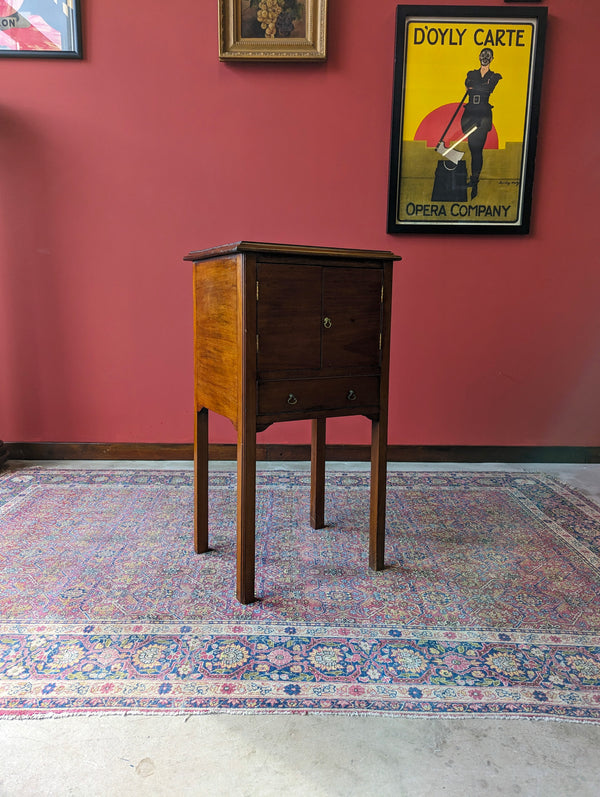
(216, 335)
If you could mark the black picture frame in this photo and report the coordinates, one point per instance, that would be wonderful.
(468, 166)
(40, 29)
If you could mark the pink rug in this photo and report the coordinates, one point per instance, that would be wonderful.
(488, 604)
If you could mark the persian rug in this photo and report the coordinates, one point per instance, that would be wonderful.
(488, 604)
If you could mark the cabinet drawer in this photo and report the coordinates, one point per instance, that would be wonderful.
(303, 396)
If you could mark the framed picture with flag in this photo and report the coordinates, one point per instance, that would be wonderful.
(40, 28)
(465, 113)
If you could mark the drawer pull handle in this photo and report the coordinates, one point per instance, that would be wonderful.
(327, 322)
(351, 396)
(292, 399)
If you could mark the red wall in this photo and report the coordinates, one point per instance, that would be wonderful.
(115, 167)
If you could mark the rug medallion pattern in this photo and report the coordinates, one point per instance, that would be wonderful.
(488, 604)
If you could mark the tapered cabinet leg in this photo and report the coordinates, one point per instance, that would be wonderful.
(201, 482)
(246, 510)
(317, 474)
(378, 494)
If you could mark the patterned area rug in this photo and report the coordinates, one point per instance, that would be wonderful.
(488, 604)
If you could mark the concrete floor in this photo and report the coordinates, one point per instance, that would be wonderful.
(305, 756)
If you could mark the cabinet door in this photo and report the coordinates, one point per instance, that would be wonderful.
(352, 304)
(288, 317)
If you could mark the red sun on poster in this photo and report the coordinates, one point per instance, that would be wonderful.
(434, 124)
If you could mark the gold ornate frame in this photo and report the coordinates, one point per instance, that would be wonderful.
(233, 46)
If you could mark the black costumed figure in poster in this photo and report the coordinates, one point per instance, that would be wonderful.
(480, 84)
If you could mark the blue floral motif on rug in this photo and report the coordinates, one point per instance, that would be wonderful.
(488, 604)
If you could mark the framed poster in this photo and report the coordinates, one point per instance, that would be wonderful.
(40, 28)
(467, 82)
(268, 30)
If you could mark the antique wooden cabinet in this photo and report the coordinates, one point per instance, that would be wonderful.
(282, 333)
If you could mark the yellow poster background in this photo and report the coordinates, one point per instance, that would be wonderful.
(438, 54)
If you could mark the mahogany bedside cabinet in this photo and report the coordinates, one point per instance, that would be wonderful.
(283, 333)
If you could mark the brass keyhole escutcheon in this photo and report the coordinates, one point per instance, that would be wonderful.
(351, 396)
(292, 399)
(327, 322)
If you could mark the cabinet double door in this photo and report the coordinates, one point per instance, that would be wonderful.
(319, 338)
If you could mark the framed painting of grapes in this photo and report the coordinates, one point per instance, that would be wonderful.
(272, 30)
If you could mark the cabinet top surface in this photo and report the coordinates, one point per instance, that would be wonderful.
(290, 250)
